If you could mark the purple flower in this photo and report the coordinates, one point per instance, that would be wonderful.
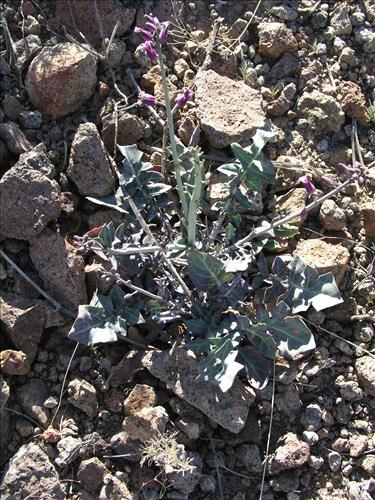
(186, 96)
(305, 180)
(146, 35)
(163, 32)
(350, 170)
(153, 21)
(329, 181)
(147, 99)
(148, 47)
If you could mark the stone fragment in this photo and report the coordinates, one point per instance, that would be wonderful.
(60, 268)
(367, 464)
(324, 257)
(124, 445)
(14, 362)
(67, 449)
(334, 461)
(340, 20)
(12, 107)
(29, 201)
(82, 15)
(320, 112)
(89, 167)
(353, 102)
(38, 160)
(61, 78)
(284, 12)
(348, 57)
(82, 395)
(289, 402)
(26, 49)
(358, 445)
(114, 489)
(14, 138)
(31, 397)
(248, 456)
(130, 130)
(4, 393)
(31, 119)
(23, 322)
(288, 65)
(365, 368)
(293, 201)
(290, 454)
(275, 39)
(223, 62)
(284, 102)
(30, 474)
(226, 120)
(287, 482)
(366, 37)
(331, 216)
(142, 396)
(178, 370)
(145, 423)
(368, 218)
(91, 473)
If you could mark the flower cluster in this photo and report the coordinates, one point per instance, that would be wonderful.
(154, 29)
(182, 100)
(306, 182)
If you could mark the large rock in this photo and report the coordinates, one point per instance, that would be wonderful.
(89, 167)
(28, 202)
(324, 257)
(225, 120)
(320, 112)
(61, 78)
(22, 321)
(30, 474)
(60, 268)
(82, 15)
(178, 370)
(275, 39)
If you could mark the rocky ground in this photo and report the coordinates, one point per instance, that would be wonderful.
(75, 426)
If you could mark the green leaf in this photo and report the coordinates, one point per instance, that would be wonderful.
(257, 366)
(258, 336)
(206, 272)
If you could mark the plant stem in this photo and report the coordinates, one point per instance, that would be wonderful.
(259, 232)
(172, 138)
(194, 203)
(131, 251)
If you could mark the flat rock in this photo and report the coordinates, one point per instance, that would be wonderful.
(31, 397)
(28, 202)
(60, 268)
(30, 474)
(324, 257)
(320, 112)
(275, 39)
(226, 120)
(82, 15)
(178, 370)
(61, 78)
(89, 167)
(22, 321)
(365, 367)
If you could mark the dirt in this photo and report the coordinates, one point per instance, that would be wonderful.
(75, 420)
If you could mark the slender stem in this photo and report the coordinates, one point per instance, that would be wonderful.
(131, 251)
(172, 138)
(150, 295)
(193, 207)
(46, 295)
(259, 232)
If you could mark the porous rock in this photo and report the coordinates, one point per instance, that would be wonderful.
(178, 370)
(61, 78)
(60, 268)
(229, 111)
(82, 14)
(82, 395)
(320, 112)
(130, 129)
(141, 396)
(14, 362)
(331, 216)
(23, 321)
(145, 423)
(368, 218)
(324, 257)
(28, 202)
(290, 454)
(14, 138)
(275, 39)
(89, 167)
(114, 488)
(91, 473)
(30, 474)
(366, 373)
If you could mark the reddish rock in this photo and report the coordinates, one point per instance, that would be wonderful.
(130, 130)
(14, 362)
(22, 321)
(290, 454)
(141, 396)
(353, 102)
(91, 473)
(148, 421)
(82, 15)
(61, 78)
(60, 268)
(276, 39)
(368, 218)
